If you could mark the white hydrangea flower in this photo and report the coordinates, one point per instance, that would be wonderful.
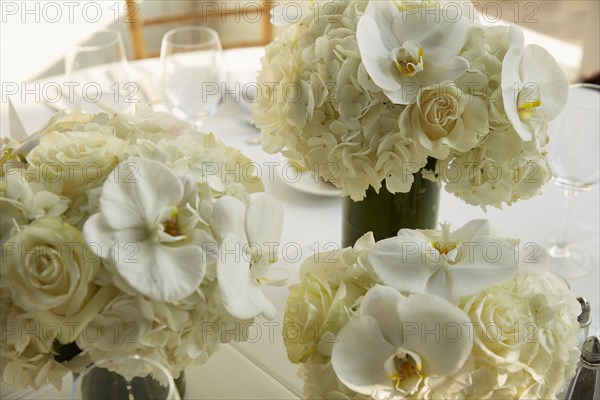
(24, 201)
(499, 171)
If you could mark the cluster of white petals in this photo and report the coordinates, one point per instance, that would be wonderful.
(365, 92)
(374, 320)
(534, 347)
(111, 230)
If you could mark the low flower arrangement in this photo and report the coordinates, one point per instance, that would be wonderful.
(112, 231)
(365, 92)
(432, 314)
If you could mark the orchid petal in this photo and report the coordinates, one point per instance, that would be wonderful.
(543, 70)
(359, 355)
(473, 229)
(101, 237)
(240, 293)
(534, 87)
(383, 14)
(228, 218)
(399, 262)
(161, 272)
(402, 95)
(15, 126)
(377, 304)
(374, 54)
(158, 271)
(428, 48)
(264, 223)
(441, 284)
(129, 195)
(446, 347)
(433, 33)
(449, 70)
(511, 84)
(491, 262)
(127, 232)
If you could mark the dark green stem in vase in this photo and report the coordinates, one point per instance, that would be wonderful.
(103, 384)
(385, 213)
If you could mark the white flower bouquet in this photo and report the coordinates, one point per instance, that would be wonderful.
(364, 92)
(112, 232)
(432, 315)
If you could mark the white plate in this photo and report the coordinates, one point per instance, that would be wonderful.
(304, 180)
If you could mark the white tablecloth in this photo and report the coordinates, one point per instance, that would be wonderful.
(260, 370)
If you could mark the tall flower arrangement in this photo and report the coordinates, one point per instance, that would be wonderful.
(432, 314)
(363, 92)
(112, 231)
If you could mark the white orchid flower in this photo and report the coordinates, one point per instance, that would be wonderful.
(534, 87)
(142, 229)
(290, 13)
(250, 240)
(404, 51)
(446, 264)
(393, 345)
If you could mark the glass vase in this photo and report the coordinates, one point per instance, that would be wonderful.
(127, 378)
(385, 213)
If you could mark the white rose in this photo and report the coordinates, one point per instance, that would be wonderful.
(47, 267)
(526, 330)
(316, 310)
(79, 159)
(444, 119)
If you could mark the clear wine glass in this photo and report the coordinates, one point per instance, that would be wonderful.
(193, 72)
(97, 70)
(574, 157)
(125, 378)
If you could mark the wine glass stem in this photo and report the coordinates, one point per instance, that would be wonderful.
(560, 249)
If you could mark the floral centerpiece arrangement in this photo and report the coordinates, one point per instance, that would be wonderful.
(432, 314)
(112, 228)
(374, 86)
(368, 93)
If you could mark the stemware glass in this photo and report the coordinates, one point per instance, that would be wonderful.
(573, 156)
(97, 70)
(193, 72)
(125, 378)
